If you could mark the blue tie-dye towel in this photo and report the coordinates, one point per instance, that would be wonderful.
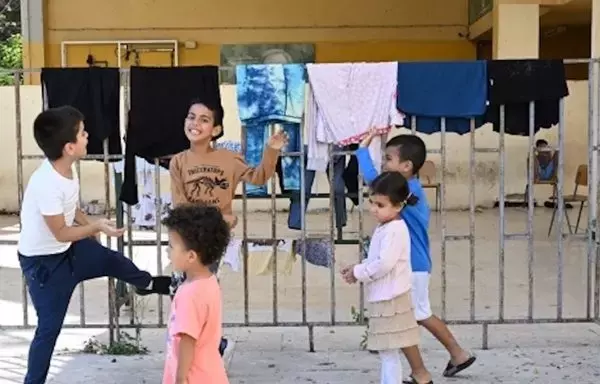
(270, 92)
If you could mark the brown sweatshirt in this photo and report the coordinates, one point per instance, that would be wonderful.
(212, 178)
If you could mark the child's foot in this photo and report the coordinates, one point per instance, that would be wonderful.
(223, 346)
(455, 367)
(412, 380)
(418, 379)
(159, 285)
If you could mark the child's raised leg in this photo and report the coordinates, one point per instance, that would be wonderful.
(459, 358)
(391, 367)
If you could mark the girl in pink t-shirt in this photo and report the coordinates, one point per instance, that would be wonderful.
(198, 236)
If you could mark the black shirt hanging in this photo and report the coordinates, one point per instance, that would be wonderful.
(160, 98)
(93, 91)
(515, 83)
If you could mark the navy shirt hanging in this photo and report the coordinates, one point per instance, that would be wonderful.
(455, 90)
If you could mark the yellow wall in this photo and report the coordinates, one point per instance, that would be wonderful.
(342, 30)
(573, 43)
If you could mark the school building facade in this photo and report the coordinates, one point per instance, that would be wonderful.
(341, 30)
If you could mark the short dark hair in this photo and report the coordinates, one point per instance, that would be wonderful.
(395, 187)
(541, 142)
(202, 229)
(56, 127)
(410, 148)
(217, 110)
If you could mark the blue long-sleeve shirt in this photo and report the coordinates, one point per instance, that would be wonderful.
(415, 216)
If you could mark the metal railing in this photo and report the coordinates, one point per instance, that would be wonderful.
(592, 286)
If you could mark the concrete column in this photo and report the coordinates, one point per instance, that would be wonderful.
(32, 30)
(516, 30)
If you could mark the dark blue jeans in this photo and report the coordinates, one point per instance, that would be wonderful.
(257, 135)
(339, 195)
(51, 280)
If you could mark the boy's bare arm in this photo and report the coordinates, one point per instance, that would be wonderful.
(65, 234)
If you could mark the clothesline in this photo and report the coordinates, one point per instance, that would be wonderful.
(229, 67)
(344, 101)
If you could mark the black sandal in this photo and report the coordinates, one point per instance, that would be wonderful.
(412, 380)
(160, 285)
(452, 369)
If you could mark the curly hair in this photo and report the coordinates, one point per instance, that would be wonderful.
(202, 229)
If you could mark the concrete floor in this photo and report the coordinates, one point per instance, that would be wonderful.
(574, 292)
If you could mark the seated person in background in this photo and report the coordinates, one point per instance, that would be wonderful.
(544, 166)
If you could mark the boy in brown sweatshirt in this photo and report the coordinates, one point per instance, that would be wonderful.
(210, 175)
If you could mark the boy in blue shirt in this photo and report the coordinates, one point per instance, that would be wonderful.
(406, 154)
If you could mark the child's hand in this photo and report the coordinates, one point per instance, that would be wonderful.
(349, 277)
(278, 140)
(367, 140)
(348, 274)
(106, 226)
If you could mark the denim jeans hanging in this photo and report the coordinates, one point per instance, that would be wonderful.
(257, 135)
(339, 193)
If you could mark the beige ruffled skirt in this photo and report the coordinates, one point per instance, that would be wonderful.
(392, 324)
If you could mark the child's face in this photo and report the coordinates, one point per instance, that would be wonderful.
(78, 149)
(392, 162)
(382, 208)
(181, 258)
(200, 124)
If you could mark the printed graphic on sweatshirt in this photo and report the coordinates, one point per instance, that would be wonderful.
(202, 182)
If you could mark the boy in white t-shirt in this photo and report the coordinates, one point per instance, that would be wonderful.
(56, 255)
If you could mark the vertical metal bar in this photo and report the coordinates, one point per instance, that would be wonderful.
(82, 316)
(274, 238)
(63, 53)
(561, 209)
(413, 125)
(443, 214)
(530, 249)
(502, 220)
(113, 319)
(596, 227)
(361, 244)
(245, 238)
(472, 221)
(303, 223)
(127, 107)
(19, 138)
(332, 233)
(158, 229)
(592, 171)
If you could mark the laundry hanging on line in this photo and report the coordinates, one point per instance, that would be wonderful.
(160, 98)
(344, 102)
(429, 91)
(95, 92)
(269, 94)
(515, 83)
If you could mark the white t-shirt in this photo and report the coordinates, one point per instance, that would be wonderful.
(48, 193)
